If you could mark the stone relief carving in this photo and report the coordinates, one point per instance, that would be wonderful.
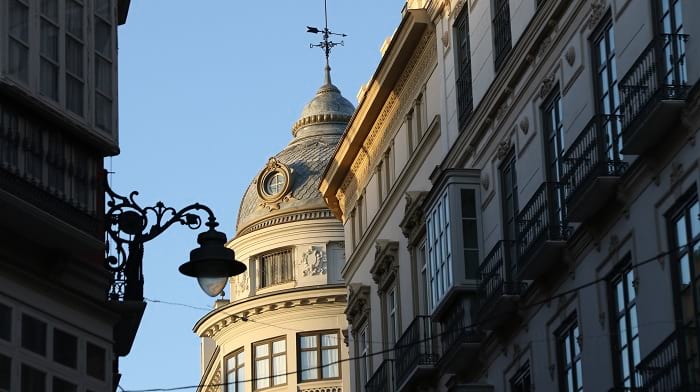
(546, 87)
(314, 262)
(597, 11)
(570, 56)
(503, 149)
(524, 125)
(242, 284)
(485, 181)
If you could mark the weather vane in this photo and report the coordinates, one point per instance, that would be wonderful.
(326, 44)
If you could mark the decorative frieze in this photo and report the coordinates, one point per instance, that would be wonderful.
(413, 222)
(357, 310)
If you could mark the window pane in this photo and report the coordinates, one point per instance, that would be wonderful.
(74, 95)
(65, 348)
(329, 340)
(262, 350)
(18, 60)
(241, 380)
(240, 358)
(33, 380)
(103, 38)
(5, 372)
(279, 369)
(309, 365)
(329, 359)
(307, 341)
(262, 374)
(103, 9)
(33, 334)
(5, 322)
(19, 20)
(103, 76)
(63, 386)
(49, 40)
(95, 361)
(279, 346)
(48, 79)
(103, 112)
(74, 18)
(681, 235)
(74, 57)
(695, 218)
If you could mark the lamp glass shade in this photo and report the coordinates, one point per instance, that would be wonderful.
(212, 285)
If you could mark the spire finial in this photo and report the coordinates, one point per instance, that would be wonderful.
(326, 44)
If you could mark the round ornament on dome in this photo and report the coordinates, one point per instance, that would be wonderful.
(274, 181)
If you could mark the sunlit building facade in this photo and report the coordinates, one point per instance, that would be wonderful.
(519, 194)
(283, 327)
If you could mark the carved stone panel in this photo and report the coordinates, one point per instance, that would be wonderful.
(314, 262)
(386, 263)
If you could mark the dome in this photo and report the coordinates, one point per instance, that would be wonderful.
(286, 189)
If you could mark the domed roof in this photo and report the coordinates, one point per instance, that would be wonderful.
(288, 184)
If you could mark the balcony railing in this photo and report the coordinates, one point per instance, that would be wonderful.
(415, 347)
(659, 74)
(383, 379)
(456, 331)
(464, 94)
(501, 32)
(541, 220)
(496, 274)
(668, 366)
(594, 154)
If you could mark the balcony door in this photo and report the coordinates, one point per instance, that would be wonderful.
(554, 150)
(509, 196)
(669, 25)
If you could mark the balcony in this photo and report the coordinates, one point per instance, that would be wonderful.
(653, 92)
(592, 168)
(499, 292)
(671, 366)
(416, 353)
(459, 341)
(383, 378)
(542, 232)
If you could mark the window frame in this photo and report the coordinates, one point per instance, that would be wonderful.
(519, 378)
(567, 357)
(239, 385)
(319, 355)
(463, 79)
(287, 277)
(622, 274)
(270, 361)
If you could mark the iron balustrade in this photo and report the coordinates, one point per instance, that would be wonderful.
(495, 273)
(593, 154)
(539, 221)
(464, 95)
(501, 32)
(667, 367)
(383, 379)
(456, 331)
(659, 73)
(415, 347)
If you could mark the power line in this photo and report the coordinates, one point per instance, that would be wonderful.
(433, 336)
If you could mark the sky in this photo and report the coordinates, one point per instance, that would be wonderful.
(208, 91)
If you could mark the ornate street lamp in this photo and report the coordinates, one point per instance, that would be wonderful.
(129, 226)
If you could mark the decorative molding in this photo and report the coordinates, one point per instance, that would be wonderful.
(524, 125)
(597, 12)
(570, 56)
(389, 119)
(445, 38)
(288, 218)
(215, 384)
(458, 8)
(314, 262)
(413, 222)
(503, 149)
(330, 388)
(485, 181)
(357, 309)
(546, 86)
(241, 284)
(386, 264)
(273, 201)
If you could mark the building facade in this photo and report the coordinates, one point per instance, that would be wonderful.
(519, 193)
(282, 329)
(58, 120)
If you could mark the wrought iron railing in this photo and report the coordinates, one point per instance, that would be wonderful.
(667, 367)
(456, 330)
(383, 379)
(593, 154)
(540, 220)
(659, 73)
(501, 32)
(415, 347)
(465, 100)
(495, 273)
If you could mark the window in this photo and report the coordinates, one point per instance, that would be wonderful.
(554, 133)
(392, 317)
(95, 357)
(270, 363)
(33, 335)
(18, 53)
(5, 322)
(5, 373)
(606, 87)
(669, 23)
(509, 197)
(424, 289)
(75, 56)
(685, 230)
(276, 267)
(501, 32)
(569, 357)
(363, 359)
(48, 50)
(274, 183)
(32, 380)
(235, 371)
(65, 348)
(464, 75)
(625, 327)
(318, 355)
(521, 381)
(103, 64)
(439, 249)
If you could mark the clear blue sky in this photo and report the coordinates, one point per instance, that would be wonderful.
(208, 90)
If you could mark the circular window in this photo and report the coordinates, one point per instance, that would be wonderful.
(275, 182)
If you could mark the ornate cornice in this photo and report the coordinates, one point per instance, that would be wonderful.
(287, 218)
(330, 388)
(357, 309)
(413, 222)
(320, 118)
(386, 263)
(392, 114)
